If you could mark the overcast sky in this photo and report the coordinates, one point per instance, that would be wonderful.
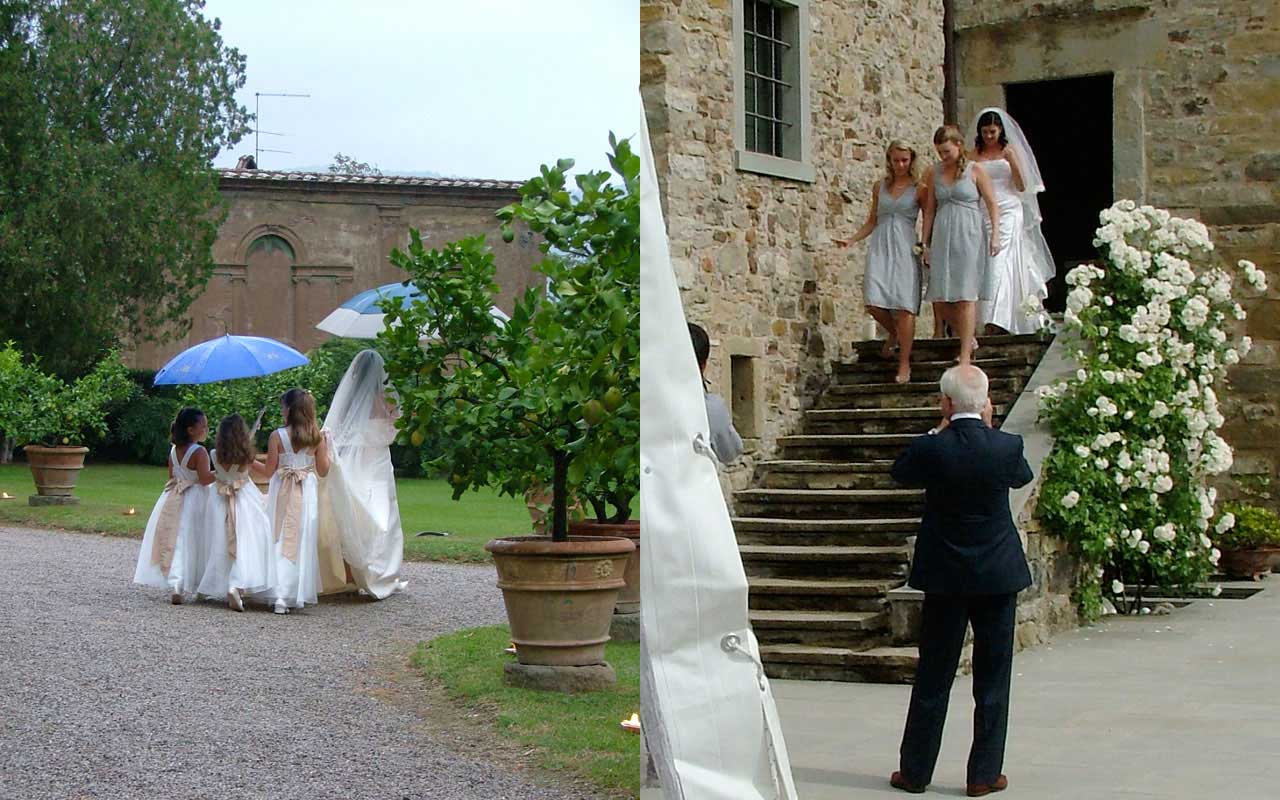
(480, 88)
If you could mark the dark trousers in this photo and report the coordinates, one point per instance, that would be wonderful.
(944, 618)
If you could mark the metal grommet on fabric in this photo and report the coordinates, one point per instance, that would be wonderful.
(701, 447)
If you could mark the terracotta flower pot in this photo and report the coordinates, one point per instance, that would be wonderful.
(55, 469)
(560, 595)
(1250, 563)
(629, 597)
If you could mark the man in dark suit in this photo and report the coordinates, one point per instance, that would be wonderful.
(969, 563)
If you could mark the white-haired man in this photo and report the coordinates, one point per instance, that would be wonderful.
(970, 565)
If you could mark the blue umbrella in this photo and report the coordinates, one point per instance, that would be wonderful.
(229, 357)
(361, 318)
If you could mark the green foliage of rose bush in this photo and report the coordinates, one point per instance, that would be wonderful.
(1135, 429)
(551, 397)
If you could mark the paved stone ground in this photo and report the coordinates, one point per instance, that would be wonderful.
(1169, 707)
(107, 691)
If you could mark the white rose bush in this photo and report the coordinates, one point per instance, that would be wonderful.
(1135, 428)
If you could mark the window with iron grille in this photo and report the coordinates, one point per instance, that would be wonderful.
(766, 92)
(772, 87)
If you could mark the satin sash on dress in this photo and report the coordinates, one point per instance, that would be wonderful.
(288, 506)
(166, 538)
(228, 489)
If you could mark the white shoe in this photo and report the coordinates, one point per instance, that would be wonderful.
(233, 599)
(281, 607)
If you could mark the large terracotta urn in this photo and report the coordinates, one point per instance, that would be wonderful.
(629, 597)
(560, 595)
(55, 469)
(1252, 563)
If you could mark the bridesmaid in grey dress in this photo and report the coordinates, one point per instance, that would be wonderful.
(954, 236)
(892, 280)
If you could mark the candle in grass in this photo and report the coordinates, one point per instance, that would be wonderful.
(6, 496)
(129, 512)
(632, 724)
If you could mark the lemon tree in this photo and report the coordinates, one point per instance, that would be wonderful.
(553, 395)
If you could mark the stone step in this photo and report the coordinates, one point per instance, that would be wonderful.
(852, 421)
(797, 530)
(1003, 391)
(807, 662)
(845, 447)
(833, 594)
(876, 371)
(829, 504)
(943, 349)
(844, 561)
(822, 628)
(802, 474)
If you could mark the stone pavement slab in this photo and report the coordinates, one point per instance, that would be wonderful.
(1170, 707)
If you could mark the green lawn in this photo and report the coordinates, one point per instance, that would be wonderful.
(106, 490)
(570, 733)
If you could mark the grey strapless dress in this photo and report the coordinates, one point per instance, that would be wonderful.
(893, 279)
(959, 260)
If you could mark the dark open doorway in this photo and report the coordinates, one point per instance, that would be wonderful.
(1068, 124)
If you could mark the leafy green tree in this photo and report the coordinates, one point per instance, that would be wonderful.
(350, 165)
(552, 396)
(111, 112)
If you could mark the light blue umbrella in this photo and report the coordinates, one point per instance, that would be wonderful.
(361, 318)
(229, 357)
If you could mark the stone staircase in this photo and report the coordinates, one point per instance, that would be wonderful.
(824, 535)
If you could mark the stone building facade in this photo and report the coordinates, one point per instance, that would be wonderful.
(752, 216)
(295, 246)
(1186, 95)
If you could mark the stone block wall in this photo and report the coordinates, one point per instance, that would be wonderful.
(753, 254)
(335, 240)
(1196, 109)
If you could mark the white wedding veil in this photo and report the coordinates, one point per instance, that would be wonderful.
(1032, 185)
(360, 490)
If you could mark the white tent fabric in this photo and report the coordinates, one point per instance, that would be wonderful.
(709, 719)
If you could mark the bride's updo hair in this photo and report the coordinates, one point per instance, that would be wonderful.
(912, 168)
(300, 418)
(233, 445)
(950, 133)
(988, 118)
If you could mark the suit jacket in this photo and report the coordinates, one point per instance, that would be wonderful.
(967, 543)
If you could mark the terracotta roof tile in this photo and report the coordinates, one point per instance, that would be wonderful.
(367, 180)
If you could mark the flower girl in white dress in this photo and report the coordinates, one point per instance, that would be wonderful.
(240, 553)
(173, 547)
(296, 454)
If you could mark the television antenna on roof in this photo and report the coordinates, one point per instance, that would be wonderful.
(256, 102)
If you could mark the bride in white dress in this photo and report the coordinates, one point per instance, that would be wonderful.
(358, 496)
(1024, 266)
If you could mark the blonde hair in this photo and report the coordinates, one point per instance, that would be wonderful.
(912, 168)
(951, 133)
(300, 419)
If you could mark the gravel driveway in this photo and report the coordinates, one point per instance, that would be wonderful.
(107, 691)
